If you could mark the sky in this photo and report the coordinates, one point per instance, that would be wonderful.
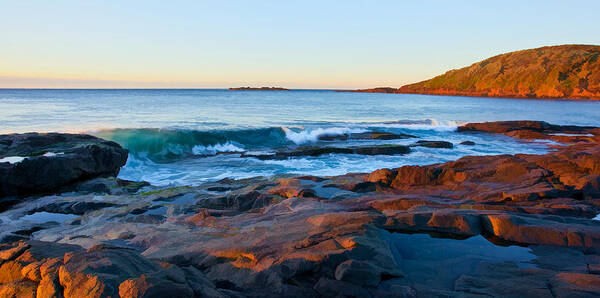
(294, 44)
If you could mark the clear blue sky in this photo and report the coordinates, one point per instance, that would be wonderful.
(299, 44)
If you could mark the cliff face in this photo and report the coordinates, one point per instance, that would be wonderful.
(566, 71)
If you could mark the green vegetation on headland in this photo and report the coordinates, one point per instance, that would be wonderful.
(565, 71)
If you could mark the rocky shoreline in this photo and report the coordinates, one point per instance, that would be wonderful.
(505, 225)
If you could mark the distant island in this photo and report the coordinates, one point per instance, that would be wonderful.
(565, 71)
(259, 89)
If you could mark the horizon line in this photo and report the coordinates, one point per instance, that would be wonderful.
(162, 88)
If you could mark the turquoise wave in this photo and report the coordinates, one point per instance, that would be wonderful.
(168, 145)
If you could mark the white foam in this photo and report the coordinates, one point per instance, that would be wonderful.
(214, 149)
(310, 136)
(597, 217)
(572, 134)
(18, 159)
(13, 159)
(430, 124)
(50, 154)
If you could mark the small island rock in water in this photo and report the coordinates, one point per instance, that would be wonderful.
(259, 89)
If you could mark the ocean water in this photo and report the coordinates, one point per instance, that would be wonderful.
(180, 137)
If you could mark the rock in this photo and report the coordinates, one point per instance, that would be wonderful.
(505, 280)
(514, 127)
(396, 291)
(259, 89)
(593, 264)
(382, 150)
(49, 287)
(335, 288)
(334, 137)
(316, 151)
(535, 230)
(238, 202)
(21, 289)
(434, 144)
(219, 188)
(135, 287)
(408, 176)
(109, 185)
(77, 208)
(381, 176)
(101, 270)
(358, 272)
(144, 286)
(152, 219)
(377, 135)
(371, 135)
(468, 143)
(10, 272)
(13, 252)
(575, 285)
(201, 286)
(55, 160)
(506, 126)
(32, 271)
(373, 90)
(460, 223)
(307, 193)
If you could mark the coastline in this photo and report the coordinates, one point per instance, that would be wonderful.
(391, 90)
(552, 72)
(311, 236)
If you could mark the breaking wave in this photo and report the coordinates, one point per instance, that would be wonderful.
(308, 136)
(170, 144)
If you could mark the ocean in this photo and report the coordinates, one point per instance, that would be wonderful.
(186, 137)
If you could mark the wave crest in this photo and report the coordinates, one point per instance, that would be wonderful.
(311, 136)
(167, 145)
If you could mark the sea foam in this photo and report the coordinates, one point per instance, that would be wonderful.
(214, 149)
(311, 136)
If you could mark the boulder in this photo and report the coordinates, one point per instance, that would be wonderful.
(434, 144)
(567, 284)
(377, 135)
(358, 272)
(317, 151)
(102, 270)
(334, 288)
(51, 161)
(508, 126)
(505, 280)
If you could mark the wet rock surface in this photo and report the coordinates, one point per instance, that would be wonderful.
(41, 163)
(372, 135)
(434, 144)
(316, 151)
(481, 226)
